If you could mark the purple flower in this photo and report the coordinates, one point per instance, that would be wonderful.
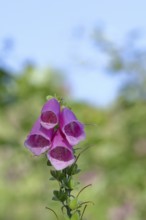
(56, 132)
(71, 127)
(50, 114)
(60, 154)
(39, 139)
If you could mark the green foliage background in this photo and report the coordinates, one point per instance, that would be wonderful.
(115, 163)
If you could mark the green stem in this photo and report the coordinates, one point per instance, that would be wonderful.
(68, 211)
(68, 191)
(64, 193)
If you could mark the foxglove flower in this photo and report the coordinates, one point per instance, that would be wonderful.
(60, 154)
(39, 139)
(71, 127)
(50, 114)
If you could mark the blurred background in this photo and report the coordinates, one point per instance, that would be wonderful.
(92, 53)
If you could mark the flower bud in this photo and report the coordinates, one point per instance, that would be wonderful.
(75, 216)
(73, 203)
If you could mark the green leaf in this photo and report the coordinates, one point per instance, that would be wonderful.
(48, 163)
(53, 173)
(59, 195)
(58, 175)
(49, 97)
(73, 170)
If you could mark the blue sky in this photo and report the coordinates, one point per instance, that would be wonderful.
(58, 33)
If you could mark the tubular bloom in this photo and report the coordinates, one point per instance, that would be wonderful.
(50, 114)
(71, 127)
(39, 139)
(61, 153)
(56, 132)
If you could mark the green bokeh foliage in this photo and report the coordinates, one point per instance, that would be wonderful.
(115, 162)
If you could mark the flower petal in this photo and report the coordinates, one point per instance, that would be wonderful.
(50, 114)
(71, 127)
(39, 139)
(61, 153)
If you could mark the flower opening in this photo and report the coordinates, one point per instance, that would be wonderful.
(71, 127)
(61, 153)
(50, 114)
(39, 139)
